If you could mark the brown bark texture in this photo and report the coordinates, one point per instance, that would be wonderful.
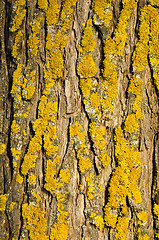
(79, 119)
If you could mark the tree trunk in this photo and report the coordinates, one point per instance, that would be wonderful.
(79, 119)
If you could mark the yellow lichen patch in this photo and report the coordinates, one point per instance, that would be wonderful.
(3, 200)
(120, 33)
(142, 216)
(47, 113)
(16, 153)
(51, 182)
(131, 124)
(29, 85)
(87, 68)
(101, 7)
(52, 12)
(91, 187)
(43, 4)
(121, 228)
(142, 48)
(60, 229)
(14, 127)
(32, 179)
(17, 78)
(154, 44)
(34, 221)
(156, 210)
(98, 137)
(29, 162)
(55, 46)
(123, 183)
(19, 15)
(17, 44)
(80, 137)
(11, 206)
(144, 237)
(109, 74)
(2, 148)
(88, 43)
(33, 41)
(19, 178)
(99, 222)
(65, 176)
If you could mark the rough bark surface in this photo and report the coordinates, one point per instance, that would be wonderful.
(79, 119)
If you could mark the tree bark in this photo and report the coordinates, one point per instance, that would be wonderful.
(79, 119)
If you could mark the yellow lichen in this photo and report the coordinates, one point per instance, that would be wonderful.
(32, 179)
(142, 216)
(3, 200)
(34, 221)
(43, 4)
(33, 41)
(11, 206)
(19, 178)
(65, 176)
(19, 15)
(17, 44)
(84, 161)
(2, 148)
(101, 8)
(98, 136)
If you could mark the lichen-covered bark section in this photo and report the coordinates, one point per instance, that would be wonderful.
(79, 119)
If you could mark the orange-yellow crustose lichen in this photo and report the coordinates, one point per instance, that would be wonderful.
(112, 49)
(52, 12)
(154, 44)
(17, 79)
(17, 44)
(47, 112)
(98, 137)
(78, 137)
(55, 46)
(33, 41)
(142, 216)
(34, 221)
(86, 67)
(43, 4)
(2, 148)
(60, 229)
(19, 15)
(123, 183)
(120, 33)
(3, 200)
(31, 179)
(29, 85)
(11, 206)
(148, 42)
(101, 8)
(140, 237)
(19, 178)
